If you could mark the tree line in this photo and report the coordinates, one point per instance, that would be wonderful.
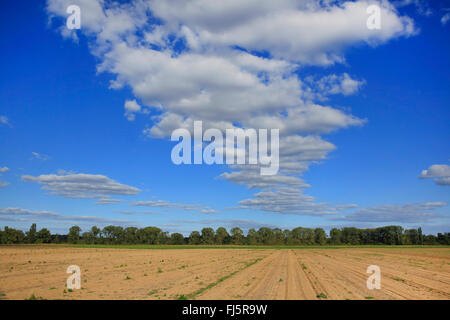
(388, 235)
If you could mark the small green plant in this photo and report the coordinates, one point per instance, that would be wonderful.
(159, 270)
(181, 297)
(369, 298)
(127, 278)
(399, 279)
(152, 292)
(322, 295)
(304, 267)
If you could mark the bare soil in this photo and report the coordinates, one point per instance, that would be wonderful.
(111, 273)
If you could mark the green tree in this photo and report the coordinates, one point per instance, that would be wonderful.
(266, 236)
(31, 235)
(96, 231)
(252, 237)
(208, 235)
(278, 236)
(320, 237)
(176, 238)
(195, 238)
(148, 235)
(237, 235)
(163, 238)
(43, 236)
(88, 237)
(130, 235)
(11, 236)
(74, 234)
(335, 236)
(222, 236)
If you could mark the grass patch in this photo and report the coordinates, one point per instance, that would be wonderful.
(162, 247)
(152, 292)
(33, 297)
(369, 298)
(399, 279)
(213, 284)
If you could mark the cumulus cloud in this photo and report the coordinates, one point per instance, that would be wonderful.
(235, 64)
(49, 215)
(439, 172)
(81, 185)
(285, 200)
(4, 169)
(335, 84)
(131, 108)
(407, 213)
(174, 205)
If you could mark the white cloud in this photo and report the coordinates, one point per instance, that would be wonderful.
(4, 120)
(81, 185)
(308, 31)
(215, 76)
(108, 201)
(228, 223)
(39, 156)
(3, 183)
(422, 6)
(286, 200)
(407, 213)
(131, 108)
(173, 205)
(335, 84)
(130, 212)
(445, 18)
(439, 172)
(49, 215)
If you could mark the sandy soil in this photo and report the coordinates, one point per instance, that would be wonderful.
(224, 273)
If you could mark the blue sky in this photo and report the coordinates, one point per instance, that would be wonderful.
(368, 113)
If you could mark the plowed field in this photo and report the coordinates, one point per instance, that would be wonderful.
(111, 273)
